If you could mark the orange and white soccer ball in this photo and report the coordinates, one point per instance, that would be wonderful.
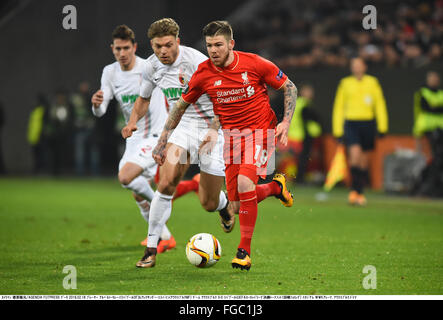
(203, 250)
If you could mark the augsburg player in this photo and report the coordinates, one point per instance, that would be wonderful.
(121, 80)
(170, 68)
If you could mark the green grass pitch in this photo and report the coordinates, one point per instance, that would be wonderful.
(312, 248)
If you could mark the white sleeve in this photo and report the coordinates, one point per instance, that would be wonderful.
(198, 58)
(147, 85)
(108, 94)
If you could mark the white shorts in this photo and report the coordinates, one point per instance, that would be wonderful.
(139, 151)
(189, 135)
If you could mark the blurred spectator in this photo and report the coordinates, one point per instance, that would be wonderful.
(58, 131)
(428, 116)
(86, 149)
(293, 159)
(305, 127)
(328, 33)
(35, 134)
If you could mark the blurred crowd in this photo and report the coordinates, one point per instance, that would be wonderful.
(66, 138)
(327, 32)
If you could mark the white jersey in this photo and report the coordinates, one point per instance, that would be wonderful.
(124, 86)
(173, 80)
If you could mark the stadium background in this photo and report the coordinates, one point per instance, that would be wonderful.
(310, 40)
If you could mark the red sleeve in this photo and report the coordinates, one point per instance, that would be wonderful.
(194, 89)
(270, 73)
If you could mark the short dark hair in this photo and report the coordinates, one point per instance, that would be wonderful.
(218, 28)
(163, 27)
(123, 32)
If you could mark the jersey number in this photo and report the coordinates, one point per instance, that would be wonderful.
(260, 157)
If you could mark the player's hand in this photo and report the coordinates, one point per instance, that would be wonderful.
(128, 130)
(97, 99)
(282, 132)
(159, 152)
(209, 142)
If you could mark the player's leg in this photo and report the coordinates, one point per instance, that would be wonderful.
(167, 241)
(212, 198)
(247, 218)
(277, 188)
(130, 178)
(144, 206)
(212, 168)
(186, 186)
(171, 173)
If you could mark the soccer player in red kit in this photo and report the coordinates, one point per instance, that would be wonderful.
(236, 83)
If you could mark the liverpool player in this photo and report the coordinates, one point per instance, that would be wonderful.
(236, 83)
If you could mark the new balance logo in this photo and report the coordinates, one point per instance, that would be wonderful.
(217, 83)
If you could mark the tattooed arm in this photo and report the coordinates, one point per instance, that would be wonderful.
(171, 123)
(290, 97)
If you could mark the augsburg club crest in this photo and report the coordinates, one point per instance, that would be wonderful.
(182, 76)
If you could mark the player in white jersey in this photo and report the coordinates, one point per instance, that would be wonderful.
(170, 68)
(121, 80)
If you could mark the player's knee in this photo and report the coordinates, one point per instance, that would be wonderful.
(166, 187)
(209, 205)
(124, 180)
(245, 184)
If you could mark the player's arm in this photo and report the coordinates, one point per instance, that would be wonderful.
(139, 110)
(290, 98)
(141, 105)
(99, 104)
(101, 98)
(173, 120)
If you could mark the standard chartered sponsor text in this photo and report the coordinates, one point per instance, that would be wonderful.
(227, 96)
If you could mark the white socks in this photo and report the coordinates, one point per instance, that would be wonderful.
(144, 207)
(140, 185)
(160, 212)
(222, 201)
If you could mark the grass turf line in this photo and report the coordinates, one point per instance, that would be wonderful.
(312, 248)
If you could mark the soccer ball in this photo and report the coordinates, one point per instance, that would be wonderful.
(203, 250)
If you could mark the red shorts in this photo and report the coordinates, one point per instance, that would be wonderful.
(247, 154)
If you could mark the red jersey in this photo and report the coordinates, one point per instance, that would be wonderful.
(238, 91)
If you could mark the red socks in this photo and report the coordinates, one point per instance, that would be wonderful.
(247, 217)
(185, 187)
(266, 190)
